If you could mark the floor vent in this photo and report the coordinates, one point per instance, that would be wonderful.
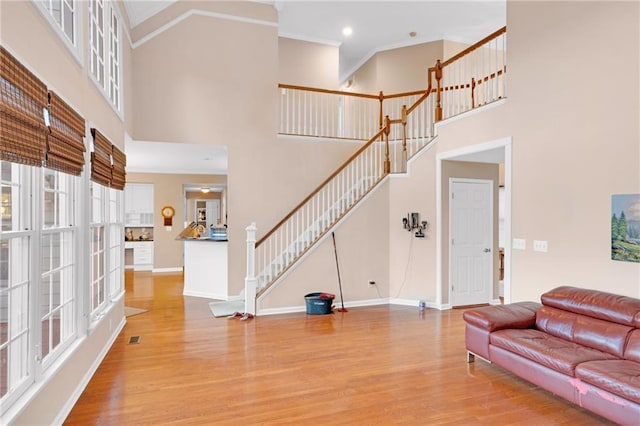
(134, 340)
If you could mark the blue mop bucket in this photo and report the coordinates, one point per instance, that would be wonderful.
(319, 303)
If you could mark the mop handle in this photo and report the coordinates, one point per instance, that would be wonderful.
(335, 251)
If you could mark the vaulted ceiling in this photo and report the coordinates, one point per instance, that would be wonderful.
(377, 25)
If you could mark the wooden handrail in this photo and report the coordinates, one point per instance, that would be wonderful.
(328, 91)
(425, 94)
(475, 46)
(319, 188)
(340, 92)
(400, 95)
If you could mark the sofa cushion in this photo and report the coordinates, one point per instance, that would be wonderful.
(597, 334)
(620, 377)
(497, 317)
(596, 304)
(552, 352)
(632, 351)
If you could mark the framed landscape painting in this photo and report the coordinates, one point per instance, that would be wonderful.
(625, 227)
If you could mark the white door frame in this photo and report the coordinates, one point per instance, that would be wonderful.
(506, 145)
(452, 181)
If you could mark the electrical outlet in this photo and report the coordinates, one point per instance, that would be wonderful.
(519, 244)
(541, 246)
(372, 282)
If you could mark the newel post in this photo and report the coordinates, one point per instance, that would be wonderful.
(381, 98)
(387, 161)
(404, 138)
(250, 282)
(438, 91)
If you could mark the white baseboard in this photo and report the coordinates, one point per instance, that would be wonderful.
(66, 409)
(172, 269)
(205, 295)
(337, 304)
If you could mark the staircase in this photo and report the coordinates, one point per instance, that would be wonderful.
(473, 78)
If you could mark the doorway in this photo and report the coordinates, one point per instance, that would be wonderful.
(495, 153)
(471, 241)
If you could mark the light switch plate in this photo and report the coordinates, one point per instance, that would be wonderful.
(519, 244)
(540, 246)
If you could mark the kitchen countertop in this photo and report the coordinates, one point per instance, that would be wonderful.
(214, 240)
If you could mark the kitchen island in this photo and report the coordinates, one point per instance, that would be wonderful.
(205, 268)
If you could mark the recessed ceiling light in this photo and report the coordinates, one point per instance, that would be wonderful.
(412, 34)
(347, 31)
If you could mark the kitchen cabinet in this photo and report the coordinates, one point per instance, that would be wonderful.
(207, 213)
(138, 204)
(142, 254)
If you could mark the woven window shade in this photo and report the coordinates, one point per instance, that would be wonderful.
(22, 100)
(118, 174)
(65, 146)
(101, 159)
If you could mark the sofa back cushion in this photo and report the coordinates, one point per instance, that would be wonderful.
(632, 353)
(594, 333)
(596, 304)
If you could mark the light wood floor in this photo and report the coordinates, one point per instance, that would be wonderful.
(368, 366)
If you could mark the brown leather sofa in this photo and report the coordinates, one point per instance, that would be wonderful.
(580, 344)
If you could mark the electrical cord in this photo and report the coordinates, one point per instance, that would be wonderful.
(406, 269)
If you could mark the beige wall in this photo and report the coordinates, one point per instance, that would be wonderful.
(26, 33)
(168, 190)
(398, 70)
(412, 260)
(572, 149)
(226, 93)
(303, 63)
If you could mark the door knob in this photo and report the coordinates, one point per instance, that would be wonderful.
(487, 250)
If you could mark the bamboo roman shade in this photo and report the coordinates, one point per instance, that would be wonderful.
(101, 159)
(23, 97)
(118, 175)
(65, 145)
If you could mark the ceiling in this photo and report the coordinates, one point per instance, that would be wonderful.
(377, 26)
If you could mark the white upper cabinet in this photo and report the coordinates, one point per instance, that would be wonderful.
(138, 204)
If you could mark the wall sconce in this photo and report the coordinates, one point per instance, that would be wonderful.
(412, 221)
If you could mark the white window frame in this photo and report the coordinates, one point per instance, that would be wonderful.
(105, 41)
(22, 229)
(98, 258)
(74, 44)
(65, 225)
(116, 244)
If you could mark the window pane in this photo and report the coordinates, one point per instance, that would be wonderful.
(68, 21)
(45, 337)
(56, 11)
(14, 208)
(50, 209)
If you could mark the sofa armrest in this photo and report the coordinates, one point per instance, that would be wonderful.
(499, 317)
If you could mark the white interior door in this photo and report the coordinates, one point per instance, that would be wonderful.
(471, 241)
(213, 213)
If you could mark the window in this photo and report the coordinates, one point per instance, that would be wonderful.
(96, 40)
(116, 238)
(63, 15)
(16, 281)
(114, 60)
(104, 38)
(58, 264)
(97, 250)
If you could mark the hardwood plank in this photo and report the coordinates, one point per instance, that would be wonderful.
(373, 365)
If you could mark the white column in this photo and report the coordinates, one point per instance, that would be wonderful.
(250, 280)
